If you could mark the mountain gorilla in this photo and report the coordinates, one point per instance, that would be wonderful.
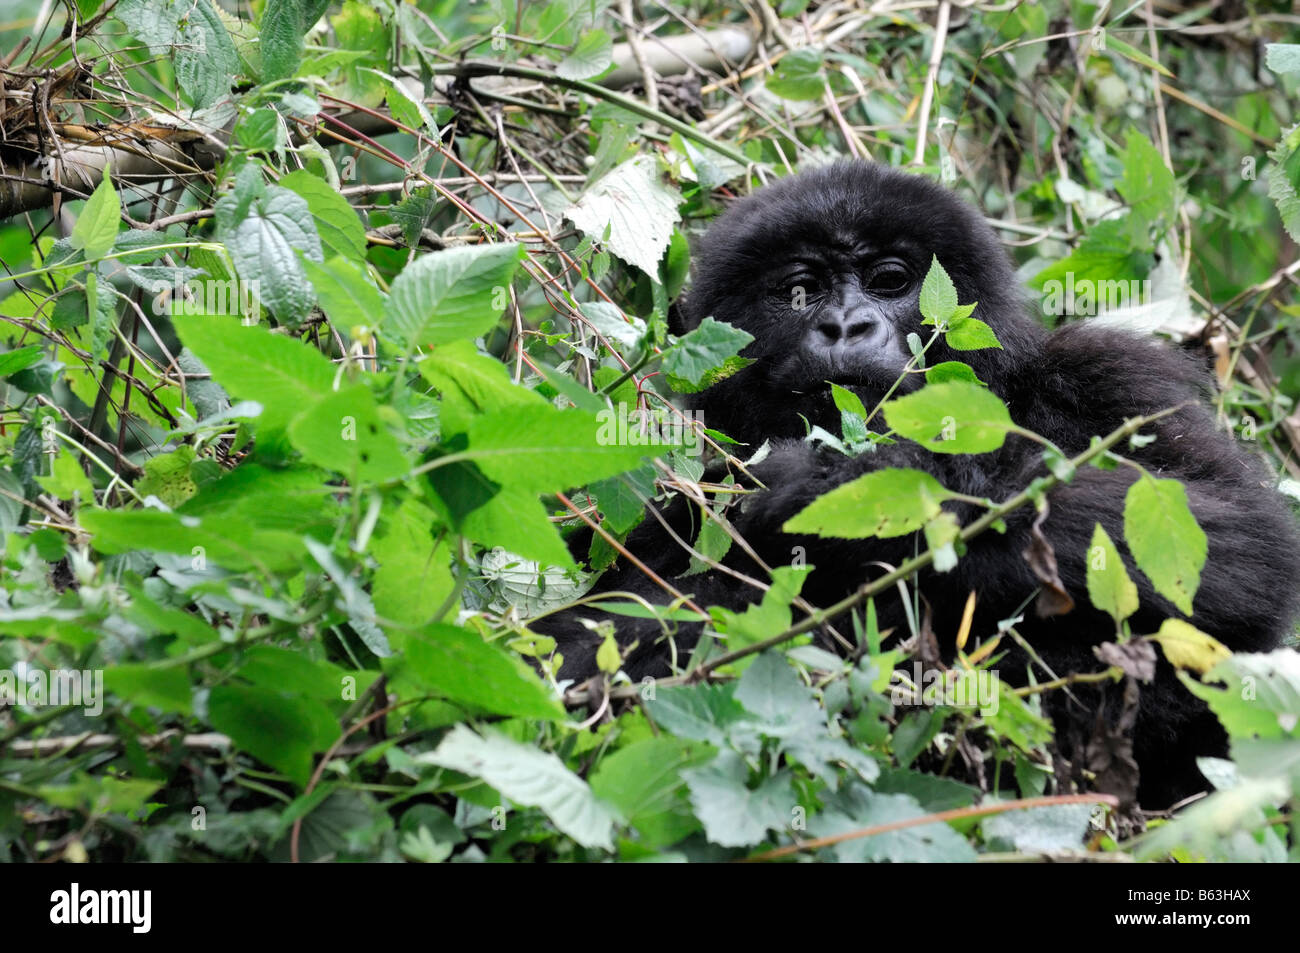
(855, 240)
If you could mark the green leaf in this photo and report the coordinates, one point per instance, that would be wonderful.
(951, 371)
(1282, 57)
(884, 503)
(1059, 827)
(857, 807)
(970, 334)
(284, 375)
(96, 228)
(346, 433)
(705, 349)
(449, 295)
(68, 481)
(260, 131)
(282, 731)
(846, 401)
(234, 546)
(798, 75)
(472, 384)
(191, 33)
(262, 233)
(458, 665)
(700, 711)
(11, 362)
(164, 688)
(539, 449)
(1164, 538)
(938, 298)
(592, 55)
(337, 224)
(282, 30)
(347, 298)
(1107, 253)
(954, 417)
(530, 777)
(644, 781)
(733, 814)
(1114, 44)
(1148, 186)
(1109, 585)
(413, 578)
(1260, 694)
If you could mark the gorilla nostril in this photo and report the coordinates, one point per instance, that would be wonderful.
(860, 329)
(830, 331)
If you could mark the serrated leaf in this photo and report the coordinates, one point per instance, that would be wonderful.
(798, 75)
(733, 814)
(347, 298)
(337, 223)
(1109, 585)
(96, 227)
(263, 242)
(284, 375)
(953, 417)
(345, 432)
(282, 29)
(638, 209)
(1164, 538)
(591, 56)
(449, 295)
(885, 503)
(970, 334)
(530, 777)
(938, 299)
(192, 34)
(457, 664)
(705, 349)
(539, 449)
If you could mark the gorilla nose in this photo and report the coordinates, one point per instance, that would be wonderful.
(847, 332)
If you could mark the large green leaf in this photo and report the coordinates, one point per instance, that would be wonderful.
(282, 30)
(284, 375)
(263, 233)
(347, 298)
(283, 731)
(345, 432)
(191, 33)
(530, 777)
(885, 503)
(1164, 538)
(337, 223)
(952, 417)
(540, 449)
(449, 295)
(457, 664)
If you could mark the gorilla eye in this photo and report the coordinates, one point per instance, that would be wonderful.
(889, 279)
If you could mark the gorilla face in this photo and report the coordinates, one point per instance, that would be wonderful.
(825, 270)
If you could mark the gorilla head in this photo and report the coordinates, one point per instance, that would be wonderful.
(824, 269)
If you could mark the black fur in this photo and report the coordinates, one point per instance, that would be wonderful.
(1068, 385)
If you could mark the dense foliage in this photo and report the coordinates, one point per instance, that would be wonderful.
(325, 325)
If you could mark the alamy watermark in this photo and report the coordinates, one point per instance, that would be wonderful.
(623, 426)
(36, 687)
(1088, 297)
(207, 296)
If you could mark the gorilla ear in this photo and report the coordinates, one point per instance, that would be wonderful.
(681, 317)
